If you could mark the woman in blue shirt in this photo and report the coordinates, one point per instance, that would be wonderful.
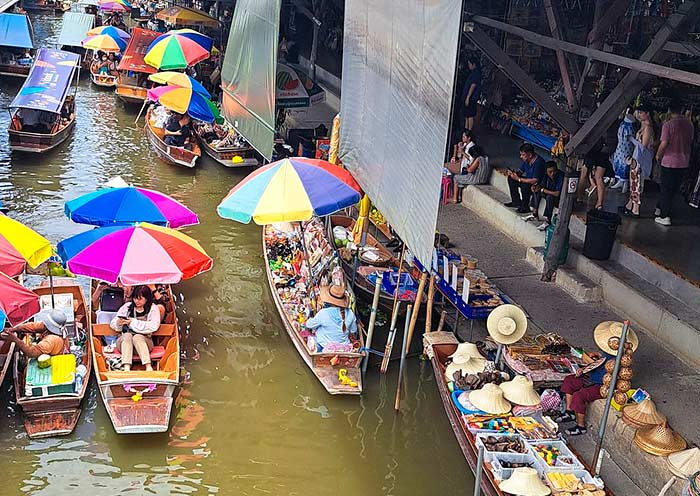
(335, 321)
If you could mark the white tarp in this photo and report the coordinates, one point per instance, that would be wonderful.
(74, 28)
(248, 73)
(398, 76)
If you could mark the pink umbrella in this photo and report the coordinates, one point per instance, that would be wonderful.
(11, 262)
(17, 303)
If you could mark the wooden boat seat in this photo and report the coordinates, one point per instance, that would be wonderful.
(157, 353)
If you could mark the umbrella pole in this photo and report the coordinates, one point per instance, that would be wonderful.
(141, 111)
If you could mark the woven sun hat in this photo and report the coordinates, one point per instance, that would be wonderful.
(335, 295)
(466, 365)
(520, 391)
(659, 440)
(507, 324)
(468, 350)
(489, 399)
(684, 463)
(524, 482)
(610, 329)
(642, 414)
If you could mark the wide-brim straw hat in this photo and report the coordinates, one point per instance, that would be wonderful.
(334, 294)
(642, 414)
(659, 440)
(524, 481)
(467, 350)
(608, 329)
(489, 399)
(507, 324)
(465, 364)
(684, 463)
(520, 391)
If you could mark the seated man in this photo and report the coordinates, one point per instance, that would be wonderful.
(50, 326)
(550, 188)
(520, 182)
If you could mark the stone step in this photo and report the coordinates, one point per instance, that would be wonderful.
(579, 287)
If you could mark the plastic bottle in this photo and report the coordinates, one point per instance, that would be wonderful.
(80, 373)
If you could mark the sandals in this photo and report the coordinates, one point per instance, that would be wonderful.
(565, 417)
(576, 431)
(629, 213)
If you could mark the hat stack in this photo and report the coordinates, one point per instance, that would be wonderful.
(506, 324)
(642, 414)
(520, 391)
(611, 329)
(684, 463)
(465, 359)
(659, 440)
(524, 482)
(467, 349)
(490, 399)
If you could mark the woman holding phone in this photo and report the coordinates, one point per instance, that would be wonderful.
(136, 320)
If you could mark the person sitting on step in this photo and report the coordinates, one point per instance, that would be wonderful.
(520, 182)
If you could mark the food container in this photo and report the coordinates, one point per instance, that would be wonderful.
(559, 466)
(582, 475)
(488, 454)
(501, 472)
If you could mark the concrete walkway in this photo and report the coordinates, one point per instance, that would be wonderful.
(673, 385)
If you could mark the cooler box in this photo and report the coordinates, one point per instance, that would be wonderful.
(59, 378)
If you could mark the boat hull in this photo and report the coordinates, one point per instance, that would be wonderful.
(103, 81)
(170, 154)
(131, 94)
(22, 141)
(14, 70)
(224, 156)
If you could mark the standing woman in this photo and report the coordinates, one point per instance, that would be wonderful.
(136, 321)
(642, 159)
(472, 91)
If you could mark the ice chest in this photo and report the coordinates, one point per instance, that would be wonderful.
(58, 378)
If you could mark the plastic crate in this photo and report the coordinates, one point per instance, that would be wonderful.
(488, 455)
(581, 474)
(563, 450)
(501, 472)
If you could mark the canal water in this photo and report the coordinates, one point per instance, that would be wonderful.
(250, 418)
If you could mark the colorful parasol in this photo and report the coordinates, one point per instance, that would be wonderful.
(292, 189)
(183, 16)
(179, 79)
(124, 206)
(183, 100)
(109, 30)
(140, 254)
(178, 49)
(17, 303)
(19, 245)
(114, 5)
(105, 43)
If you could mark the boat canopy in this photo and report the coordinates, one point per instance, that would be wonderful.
(132, 60)
(74, 29)
(15, 31)
(48, 82)
(178, 15)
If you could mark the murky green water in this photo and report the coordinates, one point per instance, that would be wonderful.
(251, 419)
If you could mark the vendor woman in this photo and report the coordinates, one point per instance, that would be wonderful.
(334, 323)
(581, 389)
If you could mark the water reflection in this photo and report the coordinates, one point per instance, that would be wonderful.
(250, 418)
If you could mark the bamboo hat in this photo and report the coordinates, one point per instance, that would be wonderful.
(609, 329)
(642, 414)
(520, 391)
(490, 399)
(468, 350)
(466, 365)
(684, 463)
(507, 324)
(659, 440)
(524, 482)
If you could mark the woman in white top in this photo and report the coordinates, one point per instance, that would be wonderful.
(136, 321)
(476, 172)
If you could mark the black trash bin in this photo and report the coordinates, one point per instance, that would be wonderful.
(601, 227)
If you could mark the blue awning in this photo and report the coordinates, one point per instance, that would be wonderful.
(15, 31)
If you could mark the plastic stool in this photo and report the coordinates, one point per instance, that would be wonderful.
(446, 189)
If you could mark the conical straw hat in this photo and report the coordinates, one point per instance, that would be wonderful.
(467, 349)
(520, 391)
(643, 414)
(507, 324)
(659, 440)
(524, 482)
(467, 365)
(489, 399)
(684, 463)
(608, 329)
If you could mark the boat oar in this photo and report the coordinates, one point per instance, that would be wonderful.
(407, 325)
(390, 340)
(429, 306)
(141, 111)
(372, 319)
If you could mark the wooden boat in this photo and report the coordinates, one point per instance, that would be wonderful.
(24, 141)
(14, 70)
(55, 414)
(16, 35)
(225, 154)
(102, 80)
(325, 366)
(174, 155)
(7, 350)
(127, 90)
(138, 401)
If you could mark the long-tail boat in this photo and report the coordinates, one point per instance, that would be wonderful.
(16, 34)
(175, 155)
(224, 152)
(132, 68)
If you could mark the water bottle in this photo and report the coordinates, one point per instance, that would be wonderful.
(80, 373)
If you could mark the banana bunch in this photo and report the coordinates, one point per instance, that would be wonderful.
(376, 216)
(566, 484)
(560, 480)
(558, 148)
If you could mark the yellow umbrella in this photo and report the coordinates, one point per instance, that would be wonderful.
(182, 16)
(33, 247)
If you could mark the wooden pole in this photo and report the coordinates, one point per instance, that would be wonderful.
(566, 207)
(372, 319)
(416, 310)
(141, 111)
(441, 324)
(409, 316)
(561, 59)
(390, 340)
(429, 306)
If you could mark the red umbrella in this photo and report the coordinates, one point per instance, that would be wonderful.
(17, 303)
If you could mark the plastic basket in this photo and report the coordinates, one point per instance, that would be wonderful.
(488, 455)
(583, 475)
(558, 467)
(501, 472)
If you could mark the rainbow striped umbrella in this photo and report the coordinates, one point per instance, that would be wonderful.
(293, 189)
(109, 30)
(183, 100)
(178, 49)
(105, 43)
(19, 246)
(139, 254)
(114, 5)
(179, 79)
(17, 303)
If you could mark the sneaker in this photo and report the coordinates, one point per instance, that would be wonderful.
(617, 184)
(664, 221)
(543, 226)
(512, 205)
(657, 211)
(522, 210)
(528, 217)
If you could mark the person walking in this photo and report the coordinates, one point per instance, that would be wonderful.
(674, 156)
(641, 160)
